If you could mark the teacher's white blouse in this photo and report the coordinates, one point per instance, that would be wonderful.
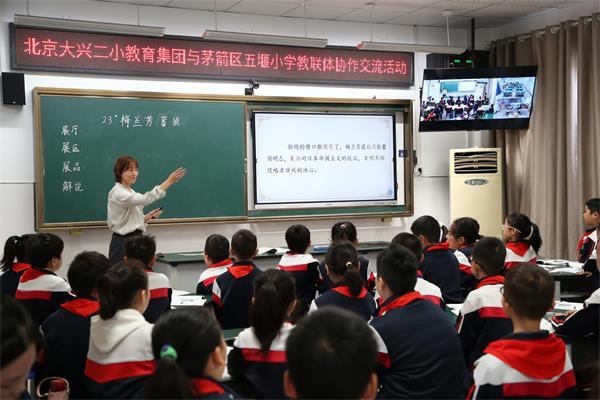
(125, 210)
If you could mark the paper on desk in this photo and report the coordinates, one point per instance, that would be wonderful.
(191, 254)
(179, 293)
(271, 250)
(455, 308)
(568, 306)
(177, 301)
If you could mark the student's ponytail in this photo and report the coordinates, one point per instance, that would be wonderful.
(342, 260)
(118, 287)
(169, 380)
(10, 253)
(535, 238)
(528, 231)
(344, 231)
(274, 292)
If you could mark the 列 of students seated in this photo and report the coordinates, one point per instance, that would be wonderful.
(347, 231)
(67, 331)
(257, 361)
(216, 258)
(347, 290)
(18, 348)
(303, 267)
(232, 290)
(190, 354)
(522, 238)
(439, 265)
(331, 354)
(482, 319)
(120, 358)
(462, 235)
(529, 362)
(13, 263)
(427, 289)
(586, 249)
(143, 248)
(40, 289)
(419, 353)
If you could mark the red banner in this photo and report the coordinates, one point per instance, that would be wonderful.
(53, 50)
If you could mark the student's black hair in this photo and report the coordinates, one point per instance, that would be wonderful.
(194, 333)
(243, 244)
(490, 253)
(16, 330)
(528, 231)
(529, 290)
(85, 270)
(397, 266)
(14, 251)
(274, 292)
(344, 230)
(467, 228)
(411, 242)
(41, 248)
(593, 204)
(141, 248)
(216, 248)
(118, 287)
(428, 227)
(297, 238)
(331, 354)
(342, 260)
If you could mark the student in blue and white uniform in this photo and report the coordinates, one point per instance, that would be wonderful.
(14, 263)
(216, 258)
(462, 235)
(522, 239)
(257, 361)
(190, 355)
(347, 291)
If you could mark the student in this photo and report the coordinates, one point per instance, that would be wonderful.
(304, 268)
(419, 353)
(347, 290)
(14, 263)
(216, 258)
(190, 355)
(427, 289)
(347, 231)
(439, 265)
(257, 360)
(331, 354)
(522, 238)
(143, 249)
(586, 250)
(120, 358)
(482, 319)
(40, 289)
(18, 343)
(67, 331)
(232, 290)
(462, 235)
(530, 362)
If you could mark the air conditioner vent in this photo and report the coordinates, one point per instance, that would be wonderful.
(476, 162)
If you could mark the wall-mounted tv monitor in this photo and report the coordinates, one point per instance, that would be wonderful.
(477, 98)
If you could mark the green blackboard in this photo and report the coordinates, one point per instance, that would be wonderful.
(80, 137)
(80, 134)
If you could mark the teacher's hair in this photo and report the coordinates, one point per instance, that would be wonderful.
(122, 164)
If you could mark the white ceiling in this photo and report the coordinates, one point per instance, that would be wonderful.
(487, 13)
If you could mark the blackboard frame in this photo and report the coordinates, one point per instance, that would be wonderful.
(406, 106)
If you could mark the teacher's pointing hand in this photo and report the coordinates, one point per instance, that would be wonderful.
(174, 177)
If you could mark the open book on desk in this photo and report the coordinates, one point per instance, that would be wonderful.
(272, 250)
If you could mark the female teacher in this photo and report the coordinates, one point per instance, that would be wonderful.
(125, 208)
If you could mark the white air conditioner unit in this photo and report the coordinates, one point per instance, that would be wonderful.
(476, 187)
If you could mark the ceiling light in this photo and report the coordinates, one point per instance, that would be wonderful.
(239, 37)
(408, 47)
(90, 26)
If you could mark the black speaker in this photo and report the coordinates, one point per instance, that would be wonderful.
(13, 88)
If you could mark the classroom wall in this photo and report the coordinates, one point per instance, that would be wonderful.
(17, 173)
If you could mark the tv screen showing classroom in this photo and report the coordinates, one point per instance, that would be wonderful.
(477, 98)
(323, 159)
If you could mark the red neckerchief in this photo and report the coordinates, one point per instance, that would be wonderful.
(490, 280)
(20, 267)
(241, 269)
(345, 291)
(587, 233)
(82, 307)
(34, 273)
(205, 386)
(438, 246)
(399, 302)
(539, 358)
(222, 263)
(518, 247)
